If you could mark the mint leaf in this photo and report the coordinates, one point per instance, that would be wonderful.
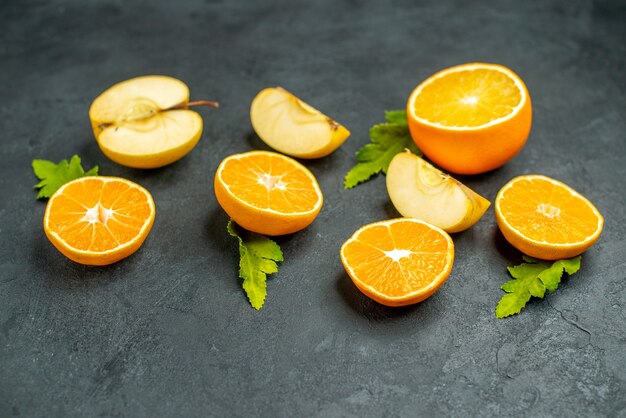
(532, 278)
(512, 303)
(53, 176)
(387, 140)
(552, 276)
(397, 117)
(258, 256)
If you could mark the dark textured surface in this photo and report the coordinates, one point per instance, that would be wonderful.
(169, 332)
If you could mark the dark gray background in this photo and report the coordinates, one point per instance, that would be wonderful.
(169, 332)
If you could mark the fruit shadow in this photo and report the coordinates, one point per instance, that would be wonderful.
(57, 271)
(390, 210)
(256, 143)
(89, 152)
(479, 182)
(475, 178)
(215, 229)
(171, 173)
(370, 309)
(217, 237)
(323, 164)
(506, 250)
(218, 240)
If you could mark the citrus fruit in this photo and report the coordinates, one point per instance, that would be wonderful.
(470, 118)
(144, 122)
(291, 126)
(267, 192)
(398, 262)
(99, 220)
(545, 218)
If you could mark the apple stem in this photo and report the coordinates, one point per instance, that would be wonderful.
(151, 112)
(198, 103)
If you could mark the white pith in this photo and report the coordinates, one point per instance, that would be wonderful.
(548, 210)
(470, 100)
(98, 213)
(397, 254)
(271, 182)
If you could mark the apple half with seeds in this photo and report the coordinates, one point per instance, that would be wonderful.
(144, 122)
(289, 125)
(419, 190)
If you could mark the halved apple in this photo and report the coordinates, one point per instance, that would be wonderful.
(144, 122)
(419, 190)
(292, 127)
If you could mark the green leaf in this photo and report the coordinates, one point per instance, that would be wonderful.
(258, 258)
(53, 176)
(92, 172)
(532, 278)
(511, 303)
(571, 265)
(397, 117)
(536, 288)
(511, 286)
(387, 140)
(530, 259)
(526, 270)
(551, 277)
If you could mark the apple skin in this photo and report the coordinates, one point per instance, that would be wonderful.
(158, 157)
(305, 133)
(144, 122)
(419, 190)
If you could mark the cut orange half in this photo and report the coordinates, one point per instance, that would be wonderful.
(267, 192)
(398, 262)
(99, 220)
(470, 118)
(545, 218)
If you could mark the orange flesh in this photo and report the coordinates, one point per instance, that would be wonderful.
(270, 182)
(543, 211)
(97, 216)
(420, 256)
(468, 98)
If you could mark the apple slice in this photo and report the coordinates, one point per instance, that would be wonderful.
(292, 127)
(419, 190)
(144, 122)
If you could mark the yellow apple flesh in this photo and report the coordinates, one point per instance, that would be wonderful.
(143, 122)
(289, 125)
(419, 190)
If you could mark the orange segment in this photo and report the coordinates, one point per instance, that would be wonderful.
(470, 118)
(99, 220)
(398, 262)
(268, 193)
(545, 218)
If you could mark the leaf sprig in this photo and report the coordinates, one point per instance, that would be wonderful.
(388, 139)
(258, 258)
(532, 278)
(53, 176)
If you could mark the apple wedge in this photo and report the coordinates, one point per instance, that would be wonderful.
(419, 190)
(144, 122)
(292, 127)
